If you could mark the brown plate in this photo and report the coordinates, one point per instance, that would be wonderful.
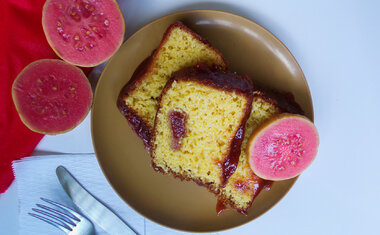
(249, 49)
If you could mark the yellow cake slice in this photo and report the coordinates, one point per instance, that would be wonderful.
(199, 125)
(243, 186)
(180, 47)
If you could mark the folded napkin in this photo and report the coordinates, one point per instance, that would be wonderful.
(36, 177)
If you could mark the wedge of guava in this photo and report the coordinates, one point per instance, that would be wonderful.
(83, 32)
(52, 96)
(283, 147)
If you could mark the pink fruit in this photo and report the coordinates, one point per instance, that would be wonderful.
(283, 147)
(83, 32)
(51, 96)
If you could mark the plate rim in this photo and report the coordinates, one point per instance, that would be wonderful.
(190, 12)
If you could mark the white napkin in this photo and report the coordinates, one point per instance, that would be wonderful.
(36, 177)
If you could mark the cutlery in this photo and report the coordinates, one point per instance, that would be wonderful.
(66, 219)
(96, 210)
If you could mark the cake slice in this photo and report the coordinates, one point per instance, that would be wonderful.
(199, 125)
(180, 47)
(243, 186)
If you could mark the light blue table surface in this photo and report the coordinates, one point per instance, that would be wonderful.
(336, 44)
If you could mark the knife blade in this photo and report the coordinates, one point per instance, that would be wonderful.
(96, 211)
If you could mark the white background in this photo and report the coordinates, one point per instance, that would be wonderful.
(337, 45)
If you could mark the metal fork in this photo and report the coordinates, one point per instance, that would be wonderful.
(67, 220)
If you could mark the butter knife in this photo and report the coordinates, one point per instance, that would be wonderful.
(96, 211)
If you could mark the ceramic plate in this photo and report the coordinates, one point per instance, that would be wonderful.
(249, 49)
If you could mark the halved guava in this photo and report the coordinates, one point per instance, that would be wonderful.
(283, 147)
(83, 32)
(52, 96)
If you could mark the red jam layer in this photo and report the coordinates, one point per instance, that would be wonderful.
(178, 127)
(230, 164)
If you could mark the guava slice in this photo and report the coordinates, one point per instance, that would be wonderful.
(283, 147)
(52, 96)
(83, 32)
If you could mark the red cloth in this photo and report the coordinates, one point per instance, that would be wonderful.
(22, 41)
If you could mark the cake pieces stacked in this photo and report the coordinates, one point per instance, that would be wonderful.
(179, 48)
(195, 117)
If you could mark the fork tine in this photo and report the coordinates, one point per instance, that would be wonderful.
(72, 213)
(58, 224)
(60, 218)
(59, 212)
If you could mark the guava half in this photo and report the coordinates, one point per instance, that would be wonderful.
(83, 32)
(52, 96)
(283, 147)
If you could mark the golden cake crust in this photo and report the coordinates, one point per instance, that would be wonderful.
(216, 77)
(138, 124)
(283, 100)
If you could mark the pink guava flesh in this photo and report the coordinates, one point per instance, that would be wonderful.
(283, 148)
(83, 32)
(52, 96)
